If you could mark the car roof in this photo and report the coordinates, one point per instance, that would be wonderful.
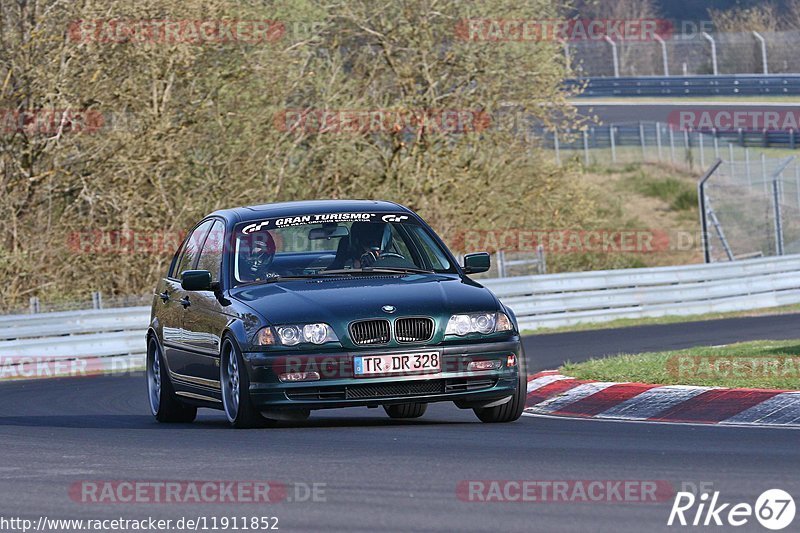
(288, 209)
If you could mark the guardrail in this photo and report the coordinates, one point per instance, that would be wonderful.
(539, 301)
(556, 300)
(731, 85)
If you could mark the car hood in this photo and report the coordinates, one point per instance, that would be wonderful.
(343, 299)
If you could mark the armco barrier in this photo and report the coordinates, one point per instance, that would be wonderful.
(540, 301)
(730, 85)
(566, 299)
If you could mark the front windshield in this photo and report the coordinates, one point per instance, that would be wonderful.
(316, 244)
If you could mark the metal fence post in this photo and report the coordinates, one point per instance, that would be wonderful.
(641, 141)
(716, 143)
(97, 300)
(664, 56)
(613, 143)
(763, 43)
(776, 203)
(730, 155)
(764, 172)
(34, 304)
(701, 199)
(658, 139)
(778, 220)
(702, 154)
(747, 167)
(540, 259)
(688, 147)
(614, 55)
(585, 148)
(714, 65)
(557, 147)
(672, 146)
(501, 264)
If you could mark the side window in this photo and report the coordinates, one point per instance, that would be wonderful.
(211, 256)
(173, 265)
(437, 259)
(191, 249)
(399, 244)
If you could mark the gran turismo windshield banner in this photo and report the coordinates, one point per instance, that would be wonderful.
(321, 218)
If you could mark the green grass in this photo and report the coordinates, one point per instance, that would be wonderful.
(679, 194)
(759, 364)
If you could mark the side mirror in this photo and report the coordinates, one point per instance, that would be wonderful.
(196, 280)
(477, 263)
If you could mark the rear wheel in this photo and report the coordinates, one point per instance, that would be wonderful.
(164, 403)
(236, 388)
(512, 409)
(406, 410)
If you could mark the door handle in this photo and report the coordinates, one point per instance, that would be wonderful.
(164, 296)
(185, 302)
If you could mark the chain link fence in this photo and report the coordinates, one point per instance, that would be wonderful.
(751, 209)
(750, 202)
(660, 142)
(686, 55)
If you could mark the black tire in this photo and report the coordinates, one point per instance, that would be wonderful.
(164, 403)
(512, 409)
(235, 388)
(406, 410)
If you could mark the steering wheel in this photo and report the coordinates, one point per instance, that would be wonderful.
(370, 258)
(391, 254)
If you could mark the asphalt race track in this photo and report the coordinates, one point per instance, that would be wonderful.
(383, 475)
(548, 351)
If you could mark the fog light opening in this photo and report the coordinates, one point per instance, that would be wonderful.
(484, 365)
(511, 361)
(292, 377)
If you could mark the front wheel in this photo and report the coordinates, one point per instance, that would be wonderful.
(406, 410)
(512, 409)
(236, 388)
(164, 403)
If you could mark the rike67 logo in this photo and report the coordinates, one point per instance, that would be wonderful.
(774, 509)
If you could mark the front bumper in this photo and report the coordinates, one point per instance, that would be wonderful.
(339, 388)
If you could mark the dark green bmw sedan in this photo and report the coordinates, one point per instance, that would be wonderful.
(272, 311)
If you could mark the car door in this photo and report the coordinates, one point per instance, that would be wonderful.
(176, 349)
(166, 307)
(204, 318)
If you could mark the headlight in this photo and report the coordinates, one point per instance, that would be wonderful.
(483, 323)
(294, 334)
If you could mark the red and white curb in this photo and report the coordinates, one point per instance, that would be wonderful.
(550, 393)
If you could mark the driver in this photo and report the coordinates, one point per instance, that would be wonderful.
(258, 259)
(367, 241)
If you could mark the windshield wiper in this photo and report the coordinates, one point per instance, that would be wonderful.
(379, 270)
(273, 279)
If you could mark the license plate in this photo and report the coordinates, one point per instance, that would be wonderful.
(399, 364)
